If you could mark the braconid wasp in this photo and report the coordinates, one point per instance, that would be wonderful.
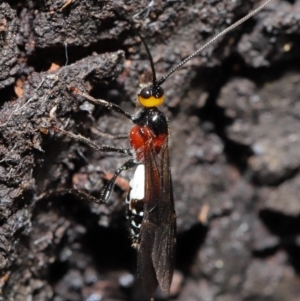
(150, 199)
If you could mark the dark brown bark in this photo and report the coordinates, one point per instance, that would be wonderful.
(234, 145)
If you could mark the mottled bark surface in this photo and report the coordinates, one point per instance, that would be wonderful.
(235, 124)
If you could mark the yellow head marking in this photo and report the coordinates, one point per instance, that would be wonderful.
(151, 101)
(151, 96)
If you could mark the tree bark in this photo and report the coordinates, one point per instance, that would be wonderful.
(234, 118)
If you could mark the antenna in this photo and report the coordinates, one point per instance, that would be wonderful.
(122, 13)
(231, 27)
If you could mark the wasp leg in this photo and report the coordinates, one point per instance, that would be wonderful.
(103, 148)
(81, 194)
(104, 103)
(108, 136)
(106, 192)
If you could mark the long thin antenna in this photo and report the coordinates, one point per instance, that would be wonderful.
(124, 15)
(154, 81)
(231, 27)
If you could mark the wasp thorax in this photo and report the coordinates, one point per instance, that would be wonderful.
(151, 96)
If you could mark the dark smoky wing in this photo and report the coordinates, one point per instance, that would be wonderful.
(146, 271)
(165, 235)
(157, 235)
(163, 255)
(166, 204)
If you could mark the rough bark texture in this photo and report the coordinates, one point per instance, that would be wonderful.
(234, 117)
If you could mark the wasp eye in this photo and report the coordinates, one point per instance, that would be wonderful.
(146, 93)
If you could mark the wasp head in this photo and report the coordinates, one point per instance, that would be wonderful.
(151, 96)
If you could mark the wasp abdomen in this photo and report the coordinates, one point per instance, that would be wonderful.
(135, 201)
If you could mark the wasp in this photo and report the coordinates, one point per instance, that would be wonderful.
(150, 199)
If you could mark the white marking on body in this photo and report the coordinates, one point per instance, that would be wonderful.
(137, 183)
(135, 225)
(136, 245)
(133, 233)
(132, 208)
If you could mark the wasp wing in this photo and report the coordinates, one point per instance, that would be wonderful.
(157, 234)
(146, 270)
(163, 253)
